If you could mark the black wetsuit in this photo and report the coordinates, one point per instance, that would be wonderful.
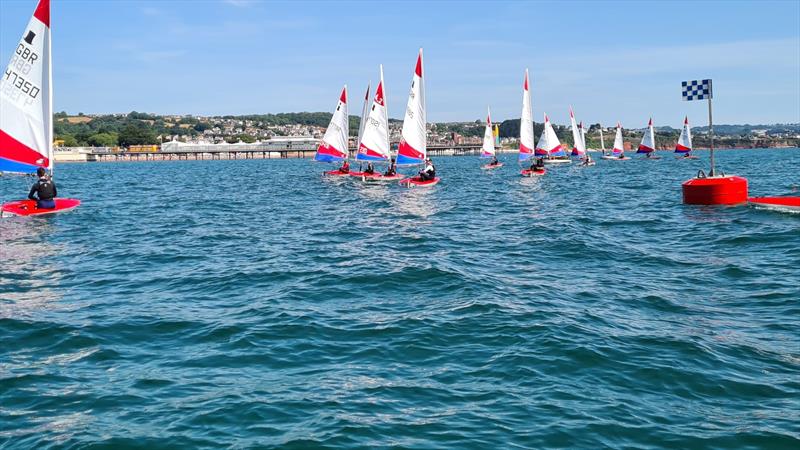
(44, 191)
(391, 171)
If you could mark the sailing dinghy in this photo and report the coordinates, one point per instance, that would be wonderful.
(618, 152)
(26, 112)
(579, 141)
(526, 145)
(587, 159)
(374, 146)
(413, 142)
(578, 146)
(787, 204)
(648, 145)
(684, 145)
(549, 146)
(488, 150)
(333, 147)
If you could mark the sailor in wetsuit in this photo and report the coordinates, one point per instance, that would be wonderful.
(494, 161)
(392, 170)
(538, 165)
(370, 169)
(345, 167)
(429, 172)
(43, 191)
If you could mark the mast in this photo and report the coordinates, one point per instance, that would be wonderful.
(602, 143)
(364, 112)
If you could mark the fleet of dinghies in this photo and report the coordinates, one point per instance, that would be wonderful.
(373, 145)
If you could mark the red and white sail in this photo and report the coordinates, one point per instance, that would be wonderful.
(374, 145)
(26, 99)
(526, 146)
(334, 143)
(549, 144)
(648, 144)
(685, 141)
(487, 150)
(619, 148)
(413, 142)
(579, 147)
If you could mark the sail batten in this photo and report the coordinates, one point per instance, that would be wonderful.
(26, 99)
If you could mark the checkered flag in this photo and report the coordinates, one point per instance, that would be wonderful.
(697, 90)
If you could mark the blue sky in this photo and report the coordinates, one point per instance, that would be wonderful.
(610, 60)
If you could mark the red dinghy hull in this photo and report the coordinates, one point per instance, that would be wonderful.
(491, 166)
(416, 182)
(28, 207)
(336, 173)
(782, 203)
(379, 177)
(531, 173)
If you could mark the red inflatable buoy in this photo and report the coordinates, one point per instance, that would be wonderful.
(715, 190)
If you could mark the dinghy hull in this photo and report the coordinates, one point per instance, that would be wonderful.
(28, 207)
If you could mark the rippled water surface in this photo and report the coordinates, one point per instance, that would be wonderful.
(238, 304)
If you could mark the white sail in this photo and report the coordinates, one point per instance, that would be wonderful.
(619, 147)
(602, 141)
(413, 142)
(526, 122)
(685, 141)
(334, 143)
(487, 151)
(364, 112)
(648, 144)
(549, 144)
(578, 148)
(26, 99)
(583, 135)
(375, 143)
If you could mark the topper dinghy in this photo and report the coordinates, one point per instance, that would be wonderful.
(333, 147)
(618, 152)
(488, 148)
(791, 204)
(684, 145)
(413, 143)
(549, 146)
(374, 145)
(26, 112)
(648, 145)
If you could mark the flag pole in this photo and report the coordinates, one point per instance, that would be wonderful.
(711, 128)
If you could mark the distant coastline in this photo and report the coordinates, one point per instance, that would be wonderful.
(137, 129)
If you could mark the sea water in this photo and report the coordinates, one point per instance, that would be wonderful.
(238, 304)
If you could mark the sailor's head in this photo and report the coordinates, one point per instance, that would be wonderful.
(40, 172)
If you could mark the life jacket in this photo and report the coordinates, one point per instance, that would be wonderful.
(45, 189)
